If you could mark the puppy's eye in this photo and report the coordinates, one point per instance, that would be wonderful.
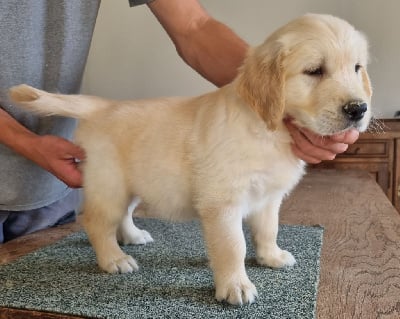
(357, 67)
(315, 72)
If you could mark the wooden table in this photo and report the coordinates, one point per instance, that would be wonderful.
(360, 261)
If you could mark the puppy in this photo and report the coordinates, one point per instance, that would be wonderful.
(223, 157)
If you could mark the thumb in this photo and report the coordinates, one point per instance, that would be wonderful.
(348, 137)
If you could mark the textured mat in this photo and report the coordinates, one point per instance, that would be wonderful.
(174, 280)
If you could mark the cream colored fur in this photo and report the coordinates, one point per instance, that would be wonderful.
(223, 157)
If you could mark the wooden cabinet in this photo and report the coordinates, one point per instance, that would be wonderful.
(379, 154)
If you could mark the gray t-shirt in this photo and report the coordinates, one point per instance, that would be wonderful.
(44, 44)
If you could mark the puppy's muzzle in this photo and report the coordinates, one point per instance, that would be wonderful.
(355, 110)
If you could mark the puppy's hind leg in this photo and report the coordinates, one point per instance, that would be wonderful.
(264, 226)
(128, 233)
(106, 203)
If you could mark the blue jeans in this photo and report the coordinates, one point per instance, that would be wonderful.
(17, 223)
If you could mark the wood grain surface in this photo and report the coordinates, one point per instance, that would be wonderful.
(6, 313)
(360, 259)
(21, 246)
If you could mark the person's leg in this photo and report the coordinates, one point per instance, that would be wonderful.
(3, 218)
(25, 222)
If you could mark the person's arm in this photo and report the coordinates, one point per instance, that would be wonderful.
(216, 52)
(208, 46)
(52, 153)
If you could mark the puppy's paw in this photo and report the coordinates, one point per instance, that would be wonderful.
(125, 264)
(236, 291)
(143, 238)
(276, 258)
(136, 237)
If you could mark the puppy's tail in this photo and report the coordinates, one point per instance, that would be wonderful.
(44, 103)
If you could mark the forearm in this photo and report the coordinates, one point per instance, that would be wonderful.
(208, 46)
(217, 57)
(16, 136)
(55, 154)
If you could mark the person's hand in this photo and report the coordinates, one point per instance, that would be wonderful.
(59, 156)
(313, 148)
(55, 154)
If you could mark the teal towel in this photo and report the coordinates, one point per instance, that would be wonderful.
(174, 280)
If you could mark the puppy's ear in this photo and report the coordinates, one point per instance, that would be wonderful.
(261, 83)
(366, 82)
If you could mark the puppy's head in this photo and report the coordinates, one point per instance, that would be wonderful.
(313, 70)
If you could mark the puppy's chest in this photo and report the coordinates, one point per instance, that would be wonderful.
(268, 186)
(279, 177)
(261, 171)
(248, 170)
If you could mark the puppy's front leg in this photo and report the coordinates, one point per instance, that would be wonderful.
(264, 226)
(226, 250)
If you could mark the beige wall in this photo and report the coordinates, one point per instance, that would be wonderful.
(132, 57)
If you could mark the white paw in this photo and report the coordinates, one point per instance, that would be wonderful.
(276, 258)
(136, 237)
(125, 264)
(236, 291)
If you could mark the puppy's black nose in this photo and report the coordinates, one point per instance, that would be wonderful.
(355, 110)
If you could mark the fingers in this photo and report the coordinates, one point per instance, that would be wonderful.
(71, 150)
(78, 153)
(325, 143)
(313, 148)
(61, 158)
(304, 156)
(348, 137)
(307, 147)
(72, 176)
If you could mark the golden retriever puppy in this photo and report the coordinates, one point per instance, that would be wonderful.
(223, 157)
